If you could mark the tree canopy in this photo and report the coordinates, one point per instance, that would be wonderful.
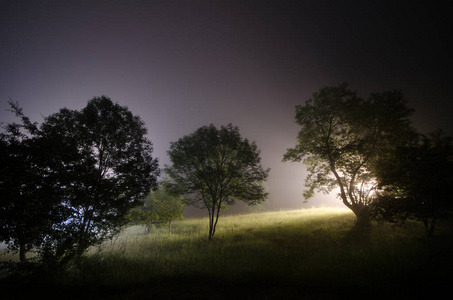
(214, 167)
(98, 162)
(415, 182)
(30, 197)
(160, 207)
(341, 137)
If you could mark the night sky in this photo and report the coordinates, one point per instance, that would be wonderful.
(181, 64)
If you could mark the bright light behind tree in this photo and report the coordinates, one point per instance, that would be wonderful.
(340, 139)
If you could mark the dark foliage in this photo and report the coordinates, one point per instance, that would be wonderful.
(340, 139)
(212, 168)
(30, 197)
(415, 182)
(159, 208)
(75, 178)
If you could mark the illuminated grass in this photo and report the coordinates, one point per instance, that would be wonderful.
(274, 253)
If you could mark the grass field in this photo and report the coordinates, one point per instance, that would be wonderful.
(297, 254)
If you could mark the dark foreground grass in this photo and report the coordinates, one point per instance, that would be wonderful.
(304, 254)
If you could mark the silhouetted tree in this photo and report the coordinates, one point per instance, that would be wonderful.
(104, 157)
(29, 192)
(215, 167)
(159, 208)
(341, 137)
(415, 182)
(73, 179)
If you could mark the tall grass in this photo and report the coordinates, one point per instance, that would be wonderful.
(279, 254)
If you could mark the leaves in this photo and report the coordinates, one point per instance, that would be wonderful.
(213, 167)
(342, 135)
(415, 180)
(218, 163)
(159, 207)
(96, 163)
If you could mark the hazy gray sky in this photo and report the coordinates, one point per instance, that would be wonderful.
(183, 64)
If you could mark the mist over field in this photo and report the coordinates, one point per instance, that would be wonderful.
(146, 109)
(180, 65)
(308, 253)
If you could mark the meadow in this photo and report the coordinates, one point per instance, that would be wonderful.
(295, 254)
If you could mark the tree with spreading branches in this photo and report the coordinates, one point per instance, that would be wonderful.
(212, 168)
(70, 183)
(342, 136)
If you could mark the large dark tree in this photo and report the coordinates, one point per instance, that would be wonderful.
(215, 167)
(97, 162)
(104, 158)
(415, 182)
(29, 193)
(341, 137)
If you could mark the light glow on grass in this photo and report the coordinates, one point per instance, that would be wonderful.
(299, 249)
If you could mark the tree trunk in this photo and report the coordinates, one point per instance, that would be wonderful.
(213, 219)
(429, 226)
(363, 214)
(22, 253)
(211, 225)
(169, 227)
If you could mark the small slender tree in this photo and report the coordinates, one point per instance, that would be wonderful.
(214, 167)
(159, 208)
